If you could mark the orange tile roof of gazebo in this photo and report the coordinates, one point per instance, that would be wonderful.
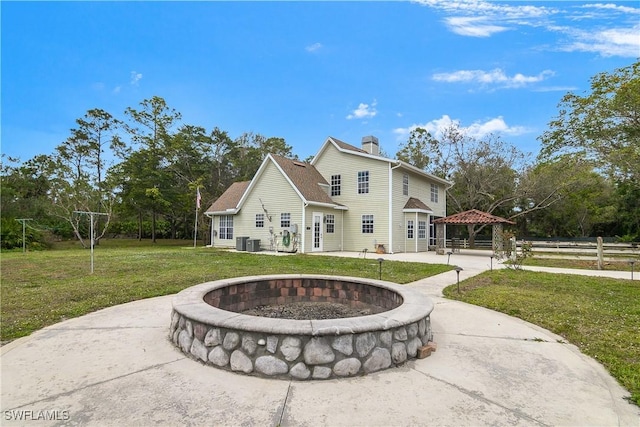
(472, 216)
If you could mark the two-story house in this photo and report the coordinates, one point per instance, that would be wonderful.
(346, 199)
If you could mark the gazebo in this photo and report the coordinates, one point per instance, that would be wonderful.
(472, 217)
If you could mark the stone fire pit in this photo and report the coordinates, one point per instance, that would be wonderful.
(207, 324)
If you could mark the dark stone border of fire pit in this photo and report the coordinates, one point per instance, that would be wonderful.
(300, 349)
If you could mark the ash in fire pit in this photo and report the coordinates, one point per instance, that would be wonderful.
(311, 311)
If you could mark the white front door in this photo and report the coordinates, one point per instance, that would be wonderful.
(316, 233)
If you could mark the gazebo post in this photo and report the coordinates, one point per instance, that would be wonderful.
(498, 242)
(440, 239)
(469, 218)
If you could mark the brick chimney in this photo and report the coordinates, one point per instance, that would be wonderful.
(370, 145)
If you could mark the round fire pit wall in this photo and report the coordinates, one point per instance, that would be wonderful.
(207, 325)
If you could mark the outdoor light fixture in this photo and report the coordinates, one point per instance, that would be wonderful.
(491, 256)
(632, 261)
(380, 270)
(458, 270)
(448, 256)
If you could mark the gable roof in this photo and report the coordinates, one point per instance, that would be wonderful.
(347, 147)
(303, 177)
(306, 179)
(350, 149)
(473, 216)
(229, 200)
(416, 205)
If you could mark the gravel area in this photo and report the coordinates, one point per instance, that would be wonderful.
(311, 311)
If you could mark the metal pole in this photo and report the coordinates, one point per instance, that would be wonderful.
(24, 233)
(195, 229)
(91, 214)
(91, 228)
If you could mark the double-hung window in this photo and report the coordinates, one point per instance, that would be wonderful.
(410, 229)
(422, 229)
(335, 185)
(260, 220)
(363, 182)
(331, 223)
(405, 185)
(367, 224)
(285, 220)
(226, 227)
(434, 193)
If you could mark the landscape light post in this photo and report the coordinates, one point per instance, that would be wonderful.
(458, 270)
(380, 268)
(491, 265)
(448, 256)
(632, 261)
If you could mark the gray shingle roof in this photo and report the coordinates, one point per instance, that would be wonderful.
(346, 146)
(230, 198)
(414, 203)
(306, 178)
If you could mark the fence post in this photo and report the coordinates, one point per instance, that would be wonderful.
(600, 254)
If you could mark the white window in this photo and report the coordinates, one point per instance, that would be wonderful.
(259, 220)
(422, 229)
(434, 193)
(335, 185)
(285, 220)
(363, 182)
(405, 185)
(410, 229)
(226, 227)
(331, 223)
(367, 224)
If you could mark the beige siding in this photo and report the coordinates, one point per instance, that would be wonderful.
(330, 241)
(390, 222)
(376, 202)
(278, 197)
(419, 188)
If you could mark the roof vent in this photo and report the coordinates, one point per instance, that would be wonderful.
(370, 145)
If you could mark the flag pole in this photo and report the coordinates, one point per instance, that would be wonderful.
(195, 228)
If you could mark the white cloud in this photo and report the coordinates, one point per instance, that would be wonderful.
(314, 47)
(486, 8)
(117, 89)
(604, 28)
(623, 42)
(135, 78)
(613, 8)
(473, 26)
(495, 77)
(477, 130)
(364, 111)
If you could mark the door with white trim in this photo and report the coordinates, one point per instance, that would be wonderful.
(316, 233)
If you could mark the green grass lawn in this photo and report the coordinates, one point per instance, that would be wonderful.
(46, 287)
(618, 265)
(601, 316)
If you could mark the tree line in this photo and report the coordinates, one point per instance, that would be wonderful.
(585, 181)
(143, 171)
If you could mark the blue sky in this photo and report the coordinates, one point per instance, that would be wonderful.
(304, 71)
